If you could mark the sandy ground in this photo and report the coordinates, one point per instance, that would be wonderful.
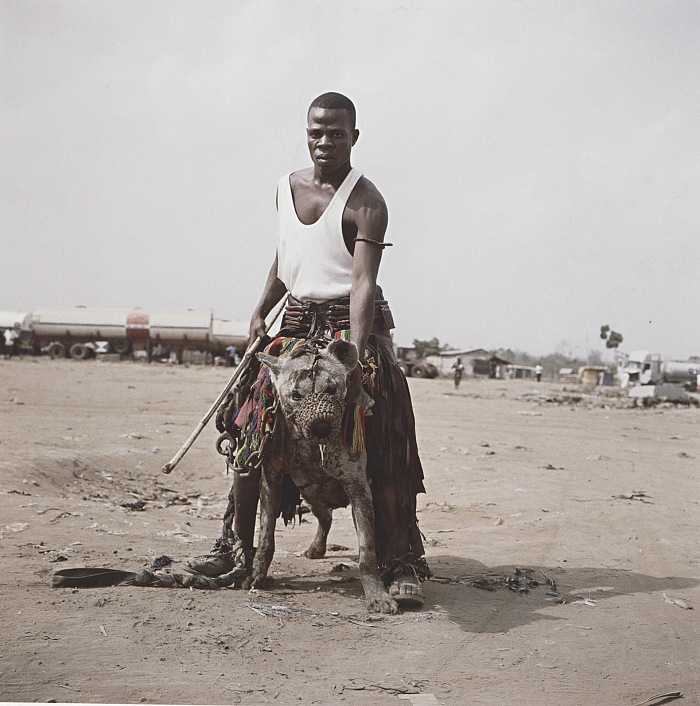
(600, 498)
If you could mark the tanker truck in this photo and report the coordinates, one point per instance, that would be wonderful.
(83, 332)
(645, 368)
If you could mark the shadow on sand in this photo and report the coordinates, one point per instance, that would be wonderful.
(500, 610)
(493, 611)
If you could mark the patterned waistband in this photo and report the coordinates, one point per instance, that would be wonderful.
(317, 319)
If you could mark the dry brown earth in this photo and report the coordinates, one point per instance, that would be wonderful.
(600, 498)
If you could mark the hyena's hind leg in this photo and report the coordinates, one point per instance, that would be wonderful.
(317, 548)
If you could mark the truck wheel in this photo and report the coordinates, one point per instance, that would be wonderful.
(57, 350)
(405, 369)
(121, 346)
(79, 351)
(419, 371)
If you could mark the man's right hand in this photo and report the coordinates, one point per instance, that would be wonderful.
(257, 328)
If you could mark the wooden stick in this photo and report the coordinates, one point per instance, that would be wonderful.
(252, 350)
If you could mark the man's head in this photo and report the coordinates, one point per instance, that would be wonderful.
(331, 132)
(335, 101)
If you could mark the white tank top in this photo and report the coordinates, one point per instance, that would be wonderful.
(313, 260)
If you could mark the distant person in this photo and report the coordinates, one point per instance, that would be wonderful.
(459, 371)
(231, 356)
(11, 342)
(538, 372)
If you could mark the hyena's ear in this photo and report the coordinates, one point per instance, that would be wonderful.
(345, 352)
(271, 362)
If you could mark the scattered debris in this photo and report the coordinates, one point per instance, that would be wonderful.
(585, 601)
(339, 568)
(61, 515)
(640, 495)
(14, 527)
(161, 562)
(396, 690)
(441, 506)
(608, 398)
(521, 582)
(361, 624)
(138, 506)
(420, 699)
(278, 611)
(677, 601)
(65, 686)
(48, 509)
(661, 698)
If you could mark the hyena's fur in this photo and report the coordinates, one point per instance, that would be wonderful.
(326, 479)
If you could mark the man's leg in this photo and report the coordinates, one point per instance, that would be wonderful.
(404, 586)
(246, 493)
(234, 549)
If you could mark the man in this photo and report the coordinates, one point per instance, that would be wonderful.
(459, 371)
(11, 336)
(231, 356)
(331, 227)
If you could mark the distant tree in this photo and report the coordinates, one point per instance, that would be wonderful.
(506, 354)
(431, 347)
(612, 338)
(595, 357)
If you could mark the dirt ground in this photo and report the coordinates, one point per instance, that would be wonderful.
(600, 498)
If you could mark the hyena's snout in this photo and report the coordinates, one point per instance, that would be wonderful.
(319, 417)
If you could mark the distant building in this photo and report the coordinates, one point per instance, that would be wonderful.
(593, 375)
(518, 372)
(476, 362)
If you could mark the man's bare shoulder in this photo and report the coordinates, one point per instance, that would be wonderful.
(302, 177)
(366, 195)
(367, 211)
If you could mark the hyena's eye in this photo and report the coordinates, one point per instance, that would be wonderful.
(296, 395)
(331, 390)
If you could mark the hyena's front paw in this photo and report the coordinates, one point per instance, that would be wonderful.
(381, 602)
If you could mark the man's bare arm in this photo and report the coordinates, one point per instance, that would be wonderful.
(371, 220)
(273, 291)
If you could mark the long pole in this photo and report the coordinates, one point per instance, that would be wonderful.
(245, 362)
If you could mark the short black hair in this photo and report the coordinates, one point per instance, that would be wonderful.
(335, 101)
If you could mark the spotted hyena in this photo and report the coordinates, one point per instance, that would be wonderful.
(311, 387)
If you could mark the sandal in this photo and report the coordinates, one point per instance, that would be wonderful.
(406, 591)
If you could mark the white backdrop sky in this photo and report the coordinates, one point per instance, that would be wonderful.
(540, 159)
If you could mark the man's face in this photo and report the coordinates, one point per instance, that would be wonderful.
(330, 137)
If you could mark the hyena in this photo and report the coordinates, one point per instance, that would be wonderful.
(311, 385)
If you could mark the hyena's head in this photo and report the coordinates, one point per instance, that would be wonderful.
(311, 386)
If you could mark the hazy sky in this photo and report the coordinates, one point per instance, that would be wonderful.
(540, 160)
